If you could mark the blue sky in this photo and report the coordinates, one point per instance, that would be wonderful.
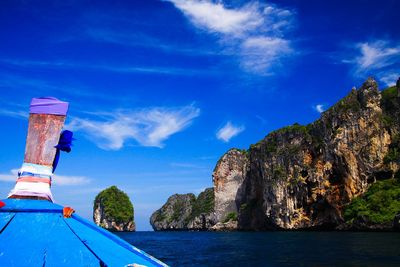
(159, 90)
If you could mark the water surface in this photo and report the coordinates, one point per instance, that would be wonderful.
(270, 248)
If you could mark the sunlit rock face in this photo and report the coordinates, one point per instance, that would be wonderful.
(228, 177)
(302, 176)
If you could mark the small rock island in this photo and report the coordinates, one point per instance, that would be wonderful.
(113, 210)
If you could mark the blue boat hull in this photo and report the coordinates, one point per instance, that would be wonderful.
(35, 233)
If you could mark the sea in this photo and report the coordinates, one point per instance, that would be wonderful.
(270, 248)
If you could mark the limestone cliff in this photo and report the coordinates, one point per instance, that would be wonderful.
(113, 210)
(303, 176)
(185, 212)
(306, 176)
(228, 177)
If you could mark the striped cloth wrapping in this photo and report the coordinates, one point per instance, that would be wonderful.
(33, 180)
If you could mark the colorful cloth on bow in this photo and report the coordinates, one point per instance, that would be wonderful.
(33, 180)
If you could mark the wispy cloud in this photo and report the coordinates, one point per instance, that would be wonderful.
(319, 108)
(124, 69)
(61, 180)
(253, 31)
(376, 55)
(219, 19)
(19, 114)
(9, 177)
(135, 39)
(228, 131)
(186, 165)
(24, 83)
(67, 180)
(148, 127)
(390, 78)
(379, 58)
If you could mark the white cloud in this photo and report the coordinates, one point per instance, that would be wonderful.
(19, 114)
(9, 177)
(379, 58)
(29, 64)
(215, 17)
(389, 79)
(229, 131)
(61, 180)
(319, 108)
(186, 165)
(376, 55)
(254, 31)
(70, 180)
(127, 38)
(260, 53)
(149, 127)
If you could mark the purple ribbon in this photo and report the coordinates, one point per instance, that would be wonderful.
(48, 105)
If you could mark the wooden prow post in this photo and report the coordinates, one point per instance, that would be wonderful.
(43, 134)
(46, 120)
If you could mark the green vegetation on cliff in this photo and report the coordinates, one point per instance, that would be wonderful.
(390, 106)
(203, 204)
(393, 154)
(179, 208)
(391, 113)
(295, 128)
(348, 103)
(231, 216)
(184, 211)
(379, 204)
(116, 203)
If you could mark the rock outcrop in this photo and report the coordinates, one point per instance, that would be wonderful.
(228, 226)
(396, 222)
(113, 210)
(185, 212)
(228, 177)
(174, 214)
(304, 176)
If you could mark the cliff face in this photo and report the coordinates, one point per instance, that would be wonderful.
(173, 215)
(302, 176)
(113, 210)
(305, 177)
(185, 212)
(228, 177)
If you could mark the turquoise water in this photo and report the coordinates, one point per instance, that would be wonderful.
(270, 248)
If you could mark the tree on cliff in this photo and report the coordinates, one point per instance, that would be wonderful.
(113, 210)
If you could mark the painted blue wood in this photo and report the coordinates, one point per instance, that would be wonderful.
(118, 240)
(30, 205)
(110, 251)
(36, 233)
(5, 217)
(66, 249)
(42, 239)
(22, 243)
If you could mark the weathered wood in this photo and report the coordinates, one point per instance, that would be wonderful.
(43, 134)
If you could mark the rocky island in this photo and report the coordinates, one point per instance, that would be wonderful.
(113, 210)
(185, 212)
(340, 172)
